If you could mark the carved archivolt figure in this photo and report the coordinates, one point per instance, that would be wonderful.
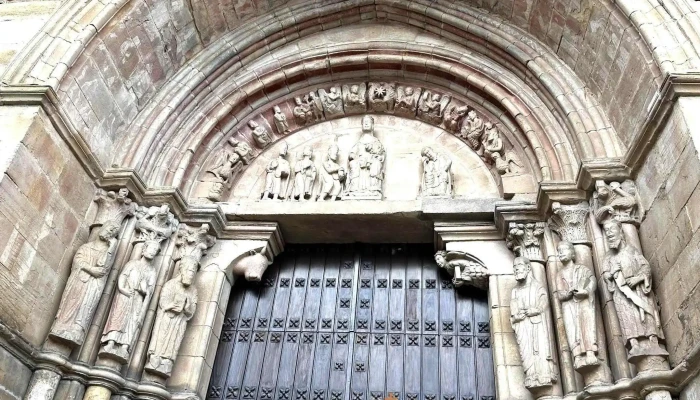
(628, 278)
(226, 164)
(366, 163)
(437, 173)
(617, 200)
(492, 141)
(464, 268)
(472, 131)
(431, 107)
(332, 176)
(382, 97)
(302, 112)
(304, 175)
(277, 176)
(454, 115)
(280, 121)
(354, 98)
(260, 134)
(575, 288)
(315, 105)
(407, 101)
(134, 289)
(91, 264)
(177, 304)
(332, 102)
(528, 316)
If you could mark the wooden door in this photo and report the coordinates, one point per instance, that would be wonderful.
(354, 322)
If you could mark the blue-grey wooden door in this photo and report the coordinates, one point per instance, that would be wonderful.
(354, 322)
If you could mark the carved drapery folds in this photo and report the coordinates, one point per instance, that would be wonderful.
(277, 176)
(464, 268)
(178, 300)
(427, 105)
(437, 174)
(366, 165)
(525, 240)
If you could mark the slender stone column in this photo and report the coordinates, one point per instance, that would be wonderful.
(569, 222)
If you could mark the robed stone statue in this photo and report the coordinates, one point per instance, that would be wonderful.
(178, 302)
(528, 316)
(437, 173)
(134, 289)
(628, 278)
(91, 265)
(575, 288)
(366, 165)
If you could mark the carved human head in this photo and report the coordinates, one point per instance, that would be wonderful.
(252, 124)
(428, 153)
(566, 251)
(188, 270)
(613, 233)
(471, 114)
(436, 97)
(308, 152)
(333, 152)
(354, 89)
(488, 125)
(628, 186)
(123, 192)
(521, 268)
(440, 258)
(409, 90)
(233, 142)
(367, 124)
(109, 230)
(334, 89)
(297, 100)
(150, 249)
(277, 109)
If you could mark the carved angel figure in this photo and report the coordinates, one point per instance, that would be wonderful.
(576, 289)
(304, 175)
(280, 121)
(332, 102)
(437, 173)
(354, 98)
(91, 264)
(617, 200)
(529, 305)
(302, 112)
(277, 176)
(261, 136)
(472, 131)
(628, 277)
(332, 176)
(226, 164)
(177, 304)
(382, 97)
(406, 101)
(454, 115)
(431, 107)
(134, 289)
(464, 268)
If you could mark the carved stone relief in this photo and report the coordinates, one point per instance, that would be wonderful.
(260, 134)
(431, 107)
(382, 97)
(277, 176)
(91, 265)
(227, 163)
(332, 102)
(437, 174)
(302, 112)
(252, 266)
(113, 206)
(464, 268)
(575, 288)
(280, 121)
(454, 115)
(366, 165)
(528, 307)
(628, 278)
(525, 239)
(617, 200)
(304, 175)
(333, 176)
(407, 101)
(354, 99)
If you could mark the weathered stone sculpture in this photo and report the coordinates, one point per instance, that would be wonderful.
(464, 268)
(177, 304)
(382, 96)
(431, 107)
(134, 289)
(315, 105)
(575, 289)
(252, 266)
(617, 200)
(354, 99)
(302, 112)
(492, 141)
(454, 115)
(437, 173)
(113, 206)
(628, 277)
(366, 164)
(525, 240)
(304, 175)
(472, 131)
(332, 102)
(528, 308)
(407, 101)
(260, 134)
(91, 265)
(280, 121)
(226, 164)
(332, 176)
(277, 176)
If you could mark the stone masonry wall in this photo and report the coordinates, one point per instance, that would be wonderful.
(668, 185)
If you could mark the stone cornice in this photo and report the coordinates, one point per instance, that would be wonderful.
(446, 232)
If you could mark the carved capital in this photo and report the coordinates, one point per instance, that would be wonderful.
(525, 240)
(155, 223)
(617, 200)
(193, 242)
(113, 206)
(569, 221)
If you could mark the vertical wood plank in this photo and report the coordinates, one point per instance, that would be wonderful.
(397, 323)
(431, 314)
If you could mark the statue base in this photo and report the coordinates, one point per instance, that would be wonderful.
(116, 352)
(363, 195)
(644, 349)
(159, 366)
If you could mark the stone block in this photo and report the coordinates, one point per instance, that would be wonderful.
(14, 376)
(683, 179)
